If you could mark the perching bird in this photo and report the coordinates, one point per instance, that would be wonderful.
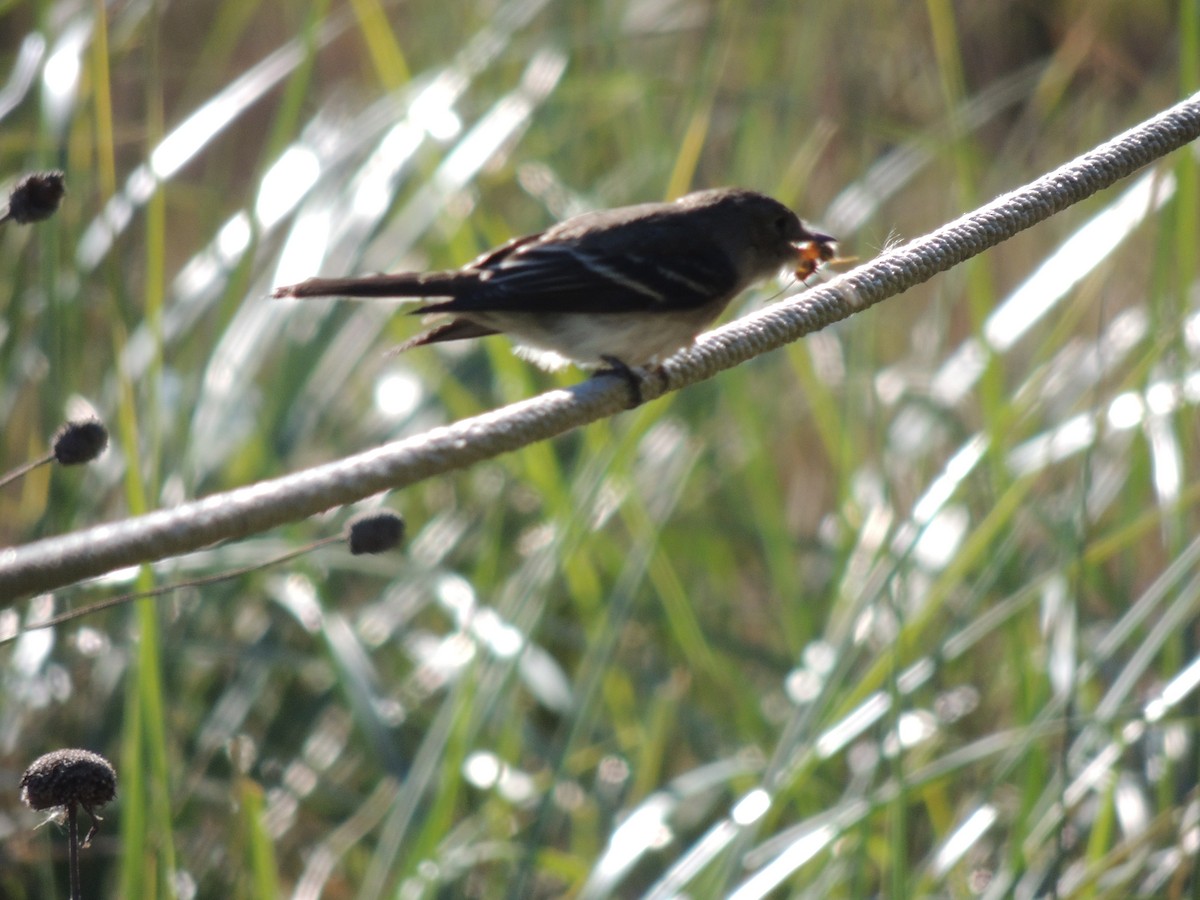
(618, 288)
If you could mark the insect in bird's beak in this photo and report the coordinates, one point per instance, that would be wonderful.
(816, 252)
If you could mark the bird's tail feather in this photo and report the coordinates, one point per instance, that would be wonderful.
(401, 284)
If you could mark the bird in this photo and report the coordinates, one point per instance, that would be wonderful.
(611, 289)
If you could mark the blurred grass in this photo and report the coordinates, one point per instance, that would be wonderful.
(824, 626)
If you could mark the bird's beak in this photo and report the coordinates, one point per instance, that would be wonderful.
(817, 237)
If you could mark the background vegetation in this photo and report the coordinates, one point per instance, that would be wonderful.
(906, 610)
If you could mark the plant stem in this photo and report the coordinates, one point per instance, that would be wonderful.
(73, 848)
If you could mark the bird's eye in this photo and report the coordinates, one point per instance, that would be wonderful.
(781, 224)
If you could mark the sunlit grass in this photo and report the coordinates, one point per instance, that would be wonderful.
(904, 610)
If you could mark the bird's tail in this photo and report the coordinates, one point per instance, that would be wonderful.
(401, 284)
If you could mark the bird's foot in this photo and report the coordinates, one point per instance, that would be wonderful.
(617, 368)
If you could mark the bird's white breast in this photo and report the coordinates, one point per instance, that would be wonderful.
(552, 340)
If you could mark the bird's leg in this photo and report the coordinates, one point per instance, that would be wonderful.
(619, 369)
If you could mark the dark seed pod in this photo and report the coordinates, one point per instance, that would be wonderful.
(374, 532)
(80, 442)
(69, 776)
(36, 197)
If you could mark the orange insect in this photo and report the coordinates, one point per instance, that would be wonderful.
(816, 253)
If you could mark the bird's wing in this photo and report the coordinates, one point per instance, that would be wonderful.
(594, 276)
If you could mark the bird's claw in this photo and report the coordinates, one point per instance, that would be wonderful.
(618, 369)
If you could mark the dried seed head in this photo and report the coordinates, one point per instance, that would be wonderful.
(374, 532)
(69, 776)
(80, 442)
(36, 197)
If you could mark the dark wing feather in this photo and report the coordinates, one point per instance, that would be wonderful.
(454, 330)
(606, 275)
